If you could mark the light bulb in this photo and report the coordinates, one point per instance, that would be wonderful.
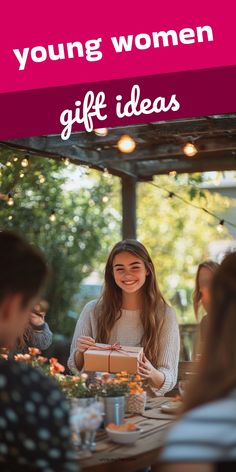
(101, 131)
(25, 162)
(67, 161)
(52, 217)
(105, 199)
(172, 173)
(21, 174)
(190, 149)
(220, 226)
(9, 164)
(126, 144)
(15, 159)
(10, 217)
(42, 179)
(10, 200)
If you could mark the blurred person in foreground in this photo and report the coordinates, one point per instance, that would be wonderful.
(34, 417)
(204, 437)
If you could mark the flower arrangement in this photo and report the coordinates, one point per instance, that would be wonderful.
(48, 366)
(106, 385)
(121, 384)
(77, 386)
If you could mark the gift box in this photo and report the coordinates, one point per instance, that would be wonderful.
(112, 358)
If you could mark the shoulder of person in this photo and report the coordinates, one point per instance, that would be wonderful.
(89, 309)
(166, 310)
(24, 376)
(219, 409)
(218, 415)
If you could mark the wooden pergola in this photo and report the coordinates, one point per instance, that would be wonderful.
(159, 150)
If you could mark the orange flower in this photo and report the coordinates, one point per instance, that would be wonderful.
(4, 356)
(42, 360)
(75, 379)
(138, 378)
(56, 367)
(53, 360)
(22, 357)
(34, 351)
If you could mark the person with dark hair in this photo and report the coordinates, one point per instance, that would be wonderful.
(206, 430)
(34, 416)
(133, 312)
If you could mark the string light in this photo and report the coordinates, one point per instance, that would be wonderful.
(172, 173)
(220, 226)
(52, 216)
(197, 207)
(126, 144)
(190, 150)
(25, 162)
(66, 161)
(42, 179)
(21, 174)
(10, 217)
(15, 159)
(106, 173)
(101, 131)
(10, 200)
(9, 164)
(105, 199)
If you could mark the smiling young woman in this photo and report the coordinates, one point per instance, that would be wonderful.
(133, 312)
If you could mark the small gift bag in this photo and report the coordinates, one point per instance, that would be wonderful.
(136, 403)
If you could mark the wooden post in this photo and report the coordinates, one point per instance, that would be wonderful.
(128, 207)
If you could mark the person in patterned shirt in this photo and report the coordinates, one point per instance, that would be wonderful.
(34, 414)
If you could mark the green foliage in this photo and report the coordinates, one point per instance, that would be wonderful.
(88, 224)
(79, 238)
(178, 235)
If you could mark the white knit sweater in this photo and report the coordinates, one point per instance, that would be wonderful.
(128, 331)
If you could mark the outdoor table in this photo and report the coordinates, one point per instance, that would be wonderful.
(110, 456)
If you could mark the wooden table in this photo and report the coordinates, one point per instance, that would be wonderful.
(111, 457)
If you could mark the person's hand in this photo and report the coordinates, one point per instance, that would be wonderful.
(148, 372)
(84, 342)
(37, 320)
(146, 369)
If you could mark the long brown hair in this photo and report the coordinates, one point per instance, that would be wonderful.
(211, 266)
(109, 306)
(216, 374)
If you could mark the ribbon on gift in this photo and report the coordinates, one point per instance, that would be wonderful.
(116, 347)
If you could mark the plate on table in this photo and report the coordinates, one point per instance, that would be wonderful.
(171, 407)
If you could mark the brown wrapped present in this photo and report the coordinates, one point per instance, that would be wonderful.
(112, 358)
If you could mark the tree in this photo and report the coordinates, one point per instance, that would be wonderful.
(75, 229)
(178, 235)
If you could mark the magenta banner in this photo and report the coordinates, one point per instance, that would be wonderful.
(80, 67)
(128, 101)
